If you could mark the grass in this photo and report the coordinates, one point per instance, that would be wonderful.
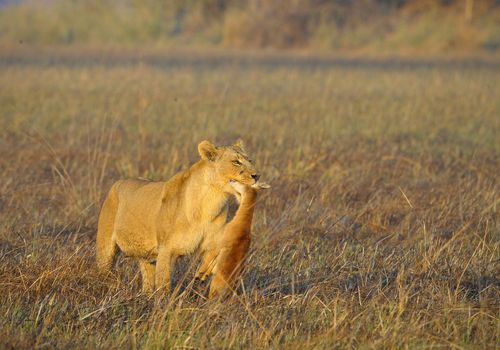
(381, 229)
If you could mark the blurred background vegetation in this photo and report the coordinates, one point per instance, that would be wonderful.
(394, 26)
(381, 231)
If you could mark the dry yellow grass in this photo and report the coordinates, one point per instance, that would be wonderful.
(381, 229)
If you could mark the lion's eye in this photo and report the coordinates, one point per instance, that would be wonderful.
(236, 162)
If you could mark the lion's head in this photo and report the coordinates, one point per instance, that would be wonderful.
(231, 163)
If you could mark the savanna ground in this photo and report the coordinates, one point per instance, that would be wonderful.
(381, 229)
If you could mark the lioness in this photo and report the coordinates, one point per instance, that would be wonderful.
(156, 222)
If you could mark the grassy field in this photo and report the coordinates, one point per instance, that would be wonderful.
(381, 230)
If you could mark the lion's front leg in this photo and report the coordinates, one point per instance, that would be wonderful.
(148, 275)
(210, 249)
(207, 264)
(164, 263)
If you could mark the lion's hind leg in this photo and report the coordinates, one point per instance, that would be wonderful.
(105, 245)
(105, 250)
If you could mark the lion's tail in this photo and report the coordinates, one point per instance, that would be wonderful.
(105, 244)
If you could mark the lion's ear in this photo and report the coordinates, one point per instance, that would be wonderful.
(239, 143)
(208, 151)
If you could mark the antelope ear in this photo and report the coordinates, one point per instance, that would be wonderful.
(240, 144)
(208, 151)
(261, 185)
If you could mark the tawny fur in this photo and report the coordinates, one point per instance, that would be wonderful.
(235, 242)
(156, 222)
